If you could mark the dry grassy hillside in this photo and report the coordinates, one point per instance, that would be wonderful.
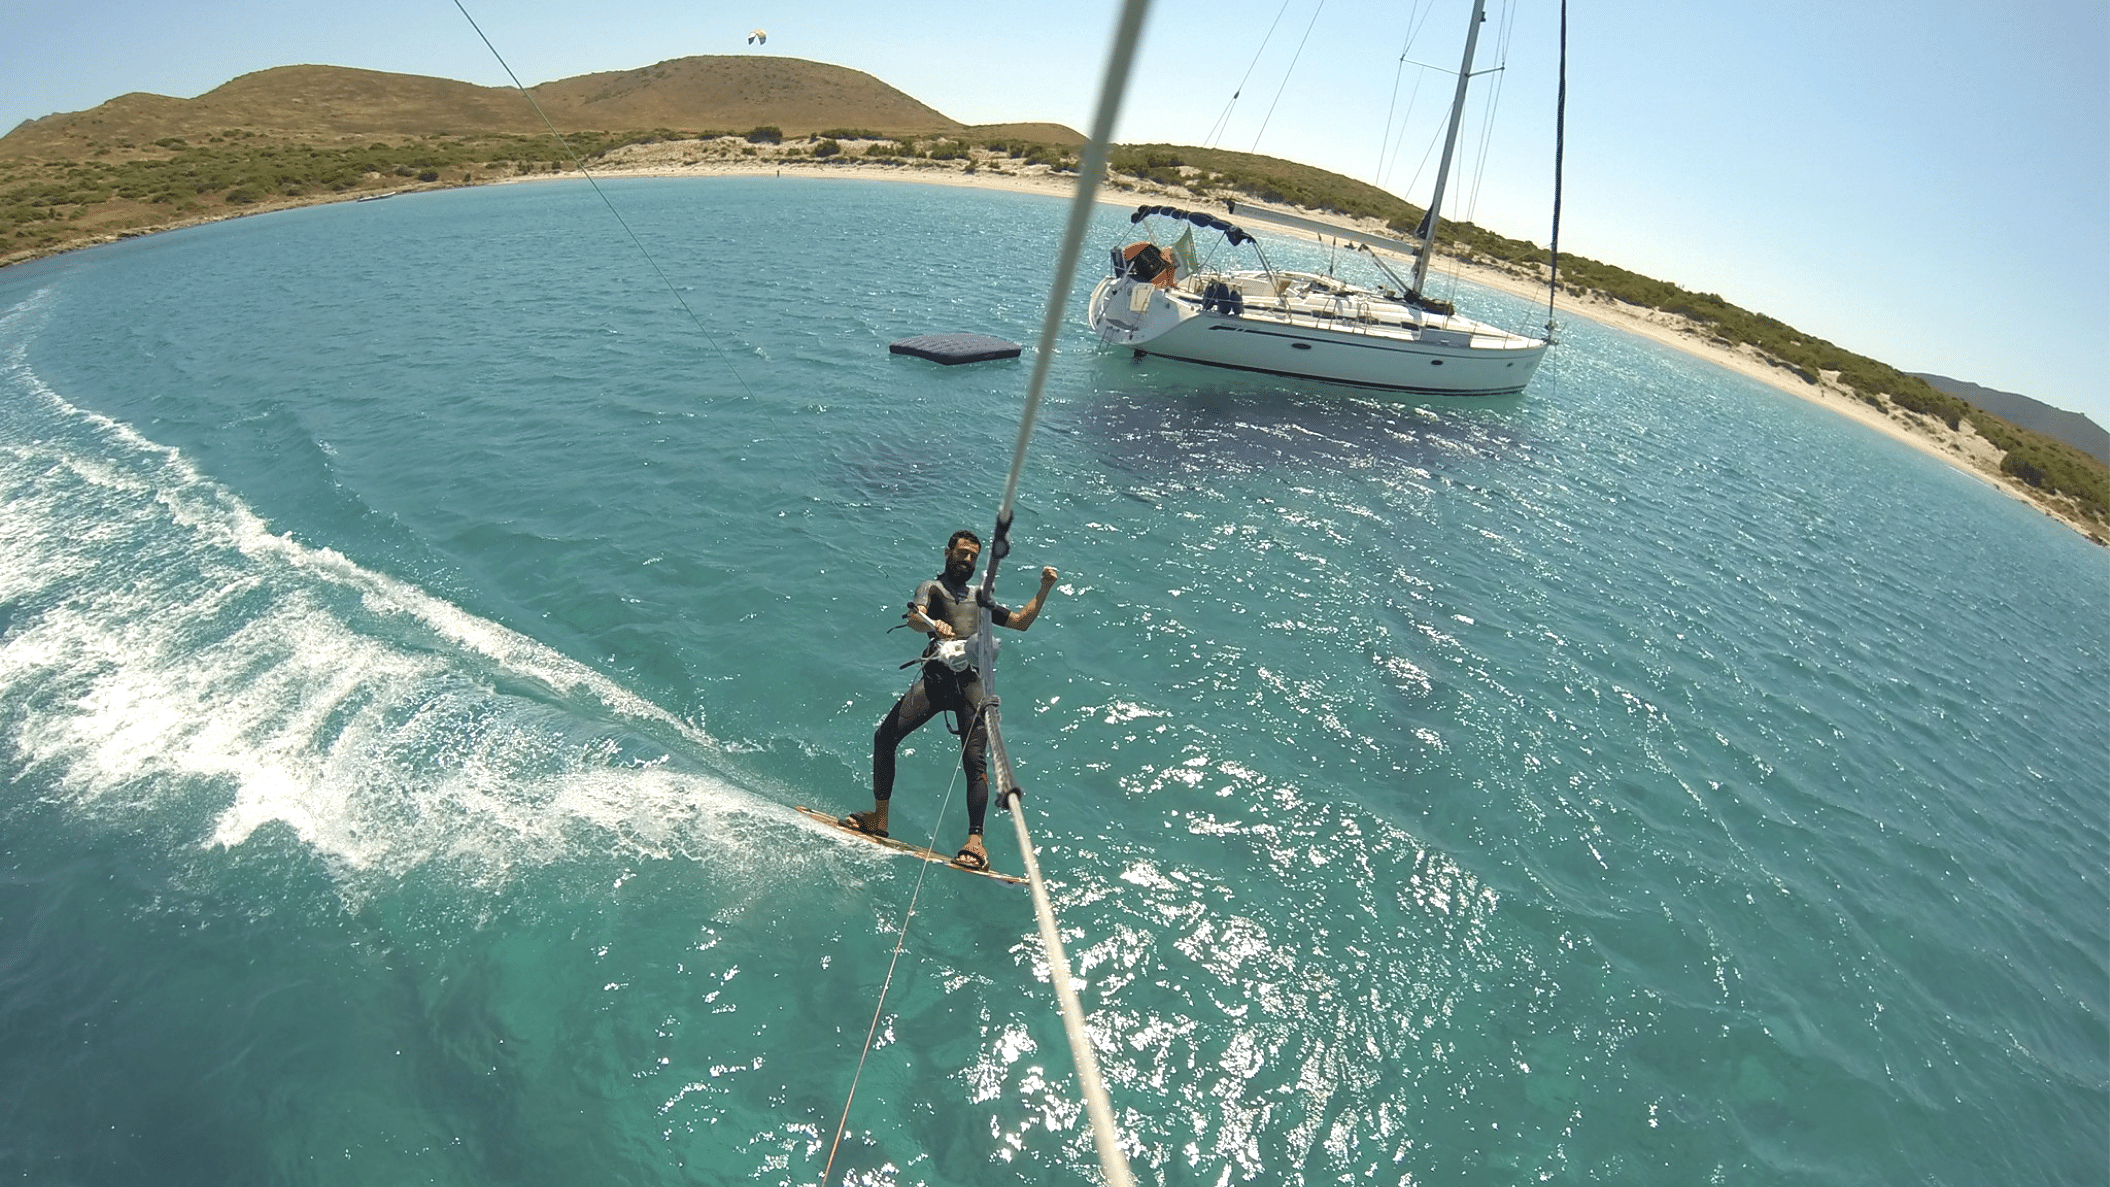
(294, 104)
(734, 94)
(1059, 134)
(326, 105)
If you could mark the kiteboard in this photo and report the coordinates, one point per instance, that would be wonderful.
(903, 847)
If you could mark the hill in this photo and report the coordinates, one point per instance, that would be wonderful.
(331, 105)
(2057, 423)
(306, 104)
(739, 92)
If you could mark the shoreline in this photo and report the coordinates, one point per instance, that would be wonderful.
(1961, 448)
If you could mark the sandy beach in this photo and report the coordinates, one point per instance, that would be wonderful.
(1964, 449)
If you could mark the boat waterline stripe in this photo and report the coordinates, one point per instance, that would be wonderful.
(1381, 387)
(1361, 340)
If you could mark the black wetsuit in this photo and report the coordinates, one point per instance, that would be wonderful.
(937, 689)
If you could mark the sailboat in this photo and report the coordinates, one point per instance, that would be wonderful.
(1385, 335)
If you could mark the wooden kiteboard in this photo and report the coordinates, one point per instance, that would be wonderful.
(903, 847)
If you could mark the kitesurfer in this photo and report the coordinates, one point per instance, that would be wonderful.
(944, 609)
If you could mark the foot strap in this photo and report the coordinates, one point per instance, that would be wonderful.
(861, 822)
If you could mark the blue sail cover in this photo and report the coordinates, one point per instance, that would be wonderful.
(1199, 218)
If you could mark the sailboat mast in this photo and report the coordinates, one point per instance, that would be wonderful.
(1450, 141)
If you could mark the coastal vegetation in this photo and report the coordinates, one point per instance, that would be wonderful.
(49, 205)
(125, 187)
(127, 168)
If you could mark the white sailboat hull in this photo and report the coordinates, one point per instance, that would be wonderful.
(1329, 332)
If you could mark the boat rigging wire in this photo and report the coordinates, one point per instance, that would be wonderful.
(602, 194)
(1223, 121)
(1294, 59)
(1435, 140)
(1500, 70)
(1454, 266)
(1560, 144)
(1388, 150)
(1385, 142)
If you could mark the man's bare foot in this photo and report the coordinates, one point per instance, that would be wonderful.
(972, 856)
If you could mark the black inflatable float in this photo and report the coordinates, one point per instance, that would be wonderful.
(954, 349)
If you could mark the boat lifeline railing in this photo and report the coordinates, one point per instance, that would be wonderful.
(1364, 241)
(1360, 240)
(1234, 236)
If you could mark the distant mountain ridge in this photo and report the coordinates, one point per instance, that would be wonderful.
(2071, 427)
(325, 104)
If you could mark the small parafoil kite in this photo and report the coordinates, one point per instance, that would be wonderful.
(758, 37)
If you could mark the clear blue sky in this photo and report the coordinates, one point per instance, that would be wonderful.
(1927, 183)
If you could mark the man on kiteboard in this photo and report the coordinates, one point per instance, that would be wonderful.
(944, 609)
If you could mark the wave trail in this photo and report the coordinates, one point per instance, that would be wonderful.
(161, 648)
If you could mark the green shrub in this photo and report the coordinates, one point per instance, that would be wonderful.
(826, 148)
(765, 134)
(1915, 394)
(2047, 463)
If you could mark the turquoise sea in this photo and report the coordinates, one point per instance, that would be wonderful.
(415, 633)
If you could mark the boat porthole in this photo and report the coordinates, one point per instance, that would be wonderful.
(1300, 346)
(1435, 362)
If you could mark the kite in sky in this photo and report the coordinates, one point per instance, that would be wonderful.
(758, 37)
